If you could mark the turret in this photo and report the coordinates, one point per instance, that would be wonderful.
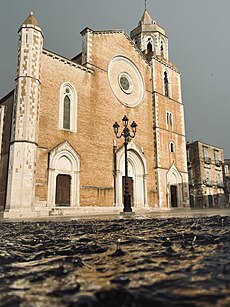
(27, 81)
(24, 137)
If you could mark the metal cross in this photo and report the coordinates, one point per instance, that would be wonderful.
(145, 4)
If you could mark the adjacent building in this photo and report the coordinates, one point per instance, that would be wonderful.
(226, 170)
(58, 150)
(206, 179)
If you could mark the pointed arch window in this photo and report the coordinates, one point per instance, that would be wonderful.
(162, 49)
(149, 45)
(66, 113)
(169, 119)
(68, 108)
(166, 84)
(172, 147)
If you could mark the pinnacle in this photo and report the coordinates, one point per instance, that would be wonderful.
(31, 20)
(147, 19)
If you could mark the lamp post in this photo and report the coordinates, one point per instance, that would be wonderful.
(126, 135)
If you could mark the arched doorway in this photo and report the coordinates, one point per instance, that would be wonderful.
(174, 184)
(64, 168)
(137, 173)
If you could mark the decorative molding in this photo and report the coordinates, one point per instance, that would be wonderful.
(121, 65)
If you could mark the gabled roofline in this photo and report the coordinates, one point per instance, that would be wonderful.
(66, 61)
(120, 31)
(117, 31)
(4, 98)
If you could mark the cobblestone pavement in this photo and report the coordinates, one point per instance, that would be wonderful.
(116, 261)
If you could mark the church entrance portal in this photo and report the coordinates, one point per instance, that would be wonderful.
(137, 174)
(173, 189)
(130, 183)
(64, 171)
(63, 190)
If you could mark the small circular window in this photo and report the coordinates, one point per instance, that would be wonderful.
(125, 83)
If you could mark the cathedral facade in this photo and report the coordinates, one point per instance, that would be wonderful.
(58, 151)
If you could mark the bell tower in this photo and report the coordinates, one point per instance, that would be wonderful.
(24, 135)
(149, 37)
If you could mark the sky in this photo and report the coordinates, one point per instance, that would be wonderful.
(199, 45)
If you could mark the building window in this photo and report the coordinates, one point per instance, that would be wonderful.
(172, 147)
(149, 45)
(217, 158)
(205, 150)
(207, 159)
(220, 183)
(208, 180)
(216, 154)
(166, 84)
(188, 155)
(66, 113)
(162, 49)
(226, 169)
(218, 178)
(68, 108)
(169, 119)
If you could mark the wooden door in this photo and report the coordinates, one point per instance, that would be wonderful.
(173, 195)
(63, 190)
(210, 201)
(191, 199)
(130, 183)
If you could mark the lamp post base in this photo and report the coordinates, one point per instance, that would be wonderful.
(127, 203)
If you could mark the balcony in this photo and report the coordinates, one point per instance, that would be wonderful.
(220, 184)
(218, 162)
(208, 183)
(207, 160)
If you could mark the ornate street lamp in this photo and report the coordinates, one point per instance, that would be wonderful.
(127, 136)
